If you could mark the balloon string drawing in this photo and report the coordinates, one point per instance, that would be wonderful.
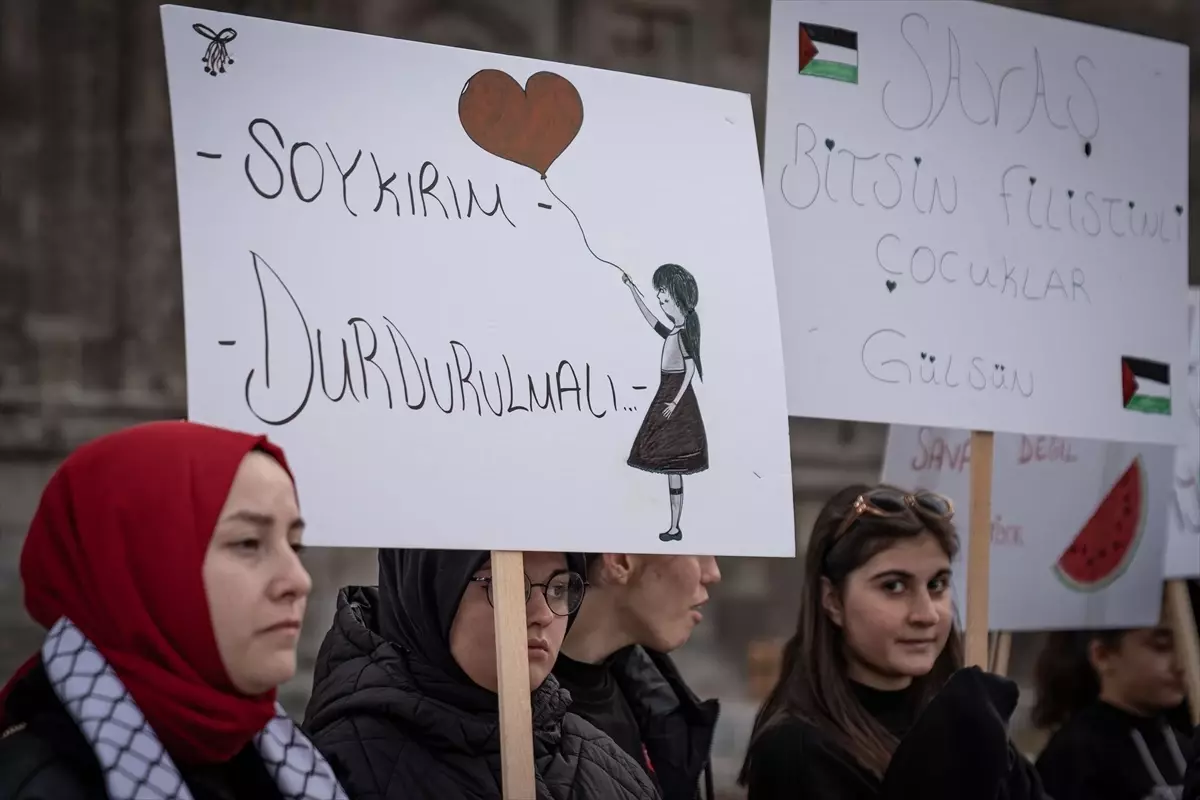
(531, 126)
(582, 233)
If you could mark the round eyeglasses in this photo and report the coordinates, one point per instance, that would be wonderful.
(563, 591)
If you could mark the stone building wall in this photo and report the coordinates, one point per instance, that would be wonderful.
(91, 328)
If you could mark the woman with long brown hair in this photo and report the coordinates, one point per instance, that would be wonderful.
(871, 698)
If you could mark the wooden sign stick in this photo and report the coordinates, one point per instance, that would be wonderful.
(1182, 619)
(1001, 652)
(979, 551)
(512, 671)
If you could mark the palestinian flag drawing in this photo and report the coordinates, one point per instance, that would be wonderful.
(1145, 385)
(828, 52)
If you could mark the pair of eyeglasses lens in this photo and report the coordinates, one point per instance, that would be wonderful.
(563, 592)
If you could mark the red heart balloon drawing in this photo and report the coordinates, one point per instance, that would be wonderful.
(530, 126)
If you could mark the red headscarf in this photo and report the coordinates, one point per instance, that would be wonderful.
(117, 546)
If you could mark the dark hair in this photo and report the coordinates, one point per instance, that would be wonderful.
(681, 285)
(812, 680)
(1064, 676)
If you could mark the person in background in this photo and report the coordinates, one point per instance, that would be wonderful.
(615, 664)
(871, 701)
(163, 559)
(404, 700)
(1106, 694)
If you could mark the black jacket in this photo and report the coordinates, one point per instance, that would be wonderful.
(396, 724)
(959, 747)
(955, 748)
(43, 756)
(673, 725)
(1104, 753)
(676, 726)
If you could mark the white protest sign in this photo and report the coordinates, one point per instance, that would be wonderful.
(1078, 525)
(470, 311)
(978, 218)
(1183, 529)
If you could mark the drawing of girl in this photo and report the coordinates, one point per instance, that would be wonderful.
(672, 440)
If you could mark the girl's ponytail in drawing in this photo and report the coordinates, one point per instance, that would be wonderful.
(681, 285)
(691, 339)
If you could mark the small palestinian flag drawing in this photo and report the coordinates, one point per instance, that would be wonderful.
(1145, 385)
(828, 52)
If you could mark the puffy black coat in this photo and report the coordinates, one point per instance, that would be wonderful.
(395, 723)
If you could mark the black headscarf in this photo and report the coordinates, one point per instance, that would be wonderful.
(419, 593)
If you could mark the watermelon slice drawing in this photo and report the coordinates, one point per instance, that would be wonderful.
(1106, 545)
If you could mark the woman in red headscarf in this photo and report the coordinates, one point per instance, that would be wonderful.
(163, 562)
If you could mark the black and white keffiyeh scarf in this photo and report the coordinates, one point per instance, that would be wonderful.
(136, 766)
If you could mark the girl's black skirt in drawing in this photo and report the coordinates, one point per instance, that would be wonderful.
(675, 445)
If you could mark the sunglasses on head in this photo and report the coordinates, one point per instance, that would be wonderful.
(885, 502)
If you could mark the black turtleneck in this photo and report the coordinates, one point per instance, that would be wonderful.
(894, 710)
(596, 697)
(794, 755)
(1106, 753)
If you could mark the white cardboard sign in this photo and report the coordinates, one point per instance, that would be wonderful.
(979, 218)
(470, 311)
(1053, 496)
(1183, 529)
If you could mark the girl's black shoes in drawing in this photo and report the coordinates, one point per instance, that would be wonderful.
(673, 535)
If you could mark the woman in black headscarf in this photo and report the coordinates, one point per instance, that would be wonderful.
(404, 700)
